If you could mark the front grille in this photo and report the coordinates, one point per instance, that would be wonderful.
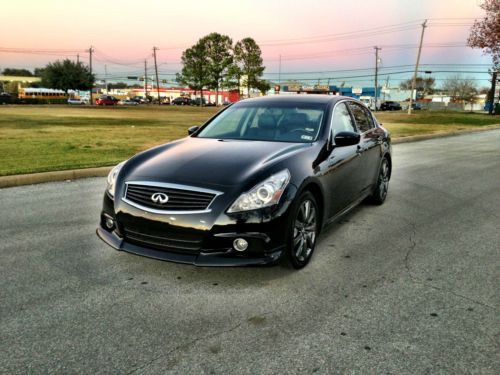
(185, 245)
(178, 199)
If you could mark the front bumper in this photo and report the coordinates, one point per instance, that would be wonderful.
(198, 239)
(225, 257)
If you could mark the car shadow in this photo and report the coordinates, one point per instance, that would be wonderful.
(164, 273)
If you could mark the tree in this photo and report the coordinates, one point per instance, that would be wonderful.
(484, 90)
(17, 72)
(12, 87)
(117, 85)
(263, 86)
(218, 49)
(247, 57)
(39, 72)
(67, 75)
(463, 89)
(233, 77)
(195, 68)
(485, 34)
(425, 86)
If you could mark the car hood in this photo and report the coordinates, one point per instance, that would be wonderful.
(207, 162)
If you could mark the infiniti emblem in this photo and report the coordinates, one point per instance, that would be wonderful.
(159, 198)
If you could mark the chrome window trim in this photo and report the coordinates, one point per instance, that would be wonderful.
(170, 186)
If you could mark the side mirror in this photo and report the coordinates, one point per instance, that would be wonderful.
(193, 129)
(346, 139)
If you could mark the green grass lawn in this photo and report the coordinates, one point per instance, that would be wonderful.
(430, 122)
(48, 138)
(37, 139)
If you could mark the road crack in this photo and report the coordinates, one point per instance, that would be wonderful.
(415, 279)
(189, 343)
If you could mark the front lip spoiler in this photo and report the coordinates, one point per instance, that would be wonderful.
(219, 259)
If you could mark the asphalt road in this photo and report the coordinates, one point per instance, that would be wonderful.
(410, 287)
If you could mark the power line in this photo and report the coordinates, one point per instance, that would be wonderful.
(368, 50)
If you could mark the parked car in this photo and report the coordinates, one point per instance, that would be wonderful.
(78, 101)
(196, 101)
(390, 106)
(181, 100)
(106, 100)
(253, 185)
(139, 99)
(414, 106)
(163, 101)
(6, 98)
(128, 102)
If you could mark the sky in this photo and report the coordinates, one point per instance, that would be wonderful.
(316, 40)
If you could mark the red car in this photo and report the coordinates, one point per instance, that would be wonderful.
(106, 100)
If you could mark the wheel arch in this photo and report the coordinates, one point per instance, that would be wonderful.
(315, 189)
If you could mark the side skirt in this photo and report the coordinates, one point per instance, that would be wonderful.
(347, 209)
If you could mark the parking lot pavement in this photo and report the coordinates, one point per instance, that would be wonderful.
(410, 287)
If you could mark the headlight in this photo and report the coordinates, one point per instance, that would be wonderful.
(265, 194)
(112, 179)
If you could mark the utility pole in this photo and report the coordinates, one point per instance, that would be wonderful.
(77, 58)
(106, 77)
(376, 75)
(414, 82)
(279, 71)
(157, 80)
(493, 89)
(91, 50)
(146, 79)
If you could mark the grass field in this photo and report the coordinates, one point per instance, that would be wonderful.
(48, 138)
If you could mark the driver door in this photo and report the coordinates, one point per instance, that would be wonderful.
(342, 167)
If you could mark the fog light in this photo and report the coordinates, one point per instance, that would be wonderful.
(110, 223)
(240, 244)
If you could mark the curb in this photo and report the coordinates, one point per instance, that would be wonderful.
(424, 137)
(37, 178)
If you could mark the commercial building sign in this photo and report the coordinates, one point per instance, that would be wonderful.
(294, 87)
(322, 87)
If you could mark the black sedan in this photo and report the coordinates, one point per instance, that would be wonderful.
(390, 106)
(253, 185)
(181, 100)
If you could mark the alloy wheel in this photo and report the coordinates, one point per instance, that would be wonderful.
(304, 231)
(383, 183)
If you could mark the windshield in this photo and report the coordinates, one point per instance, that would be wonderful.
(295, 122)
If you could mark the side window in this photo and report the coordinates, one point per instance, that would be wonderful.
(341, 120)
(363, 118)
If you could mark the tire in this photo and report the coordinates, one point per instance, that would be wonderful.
(380, 192)
(302, 231)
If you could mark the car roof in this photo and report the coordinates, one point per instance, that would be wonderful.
(304, 99)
